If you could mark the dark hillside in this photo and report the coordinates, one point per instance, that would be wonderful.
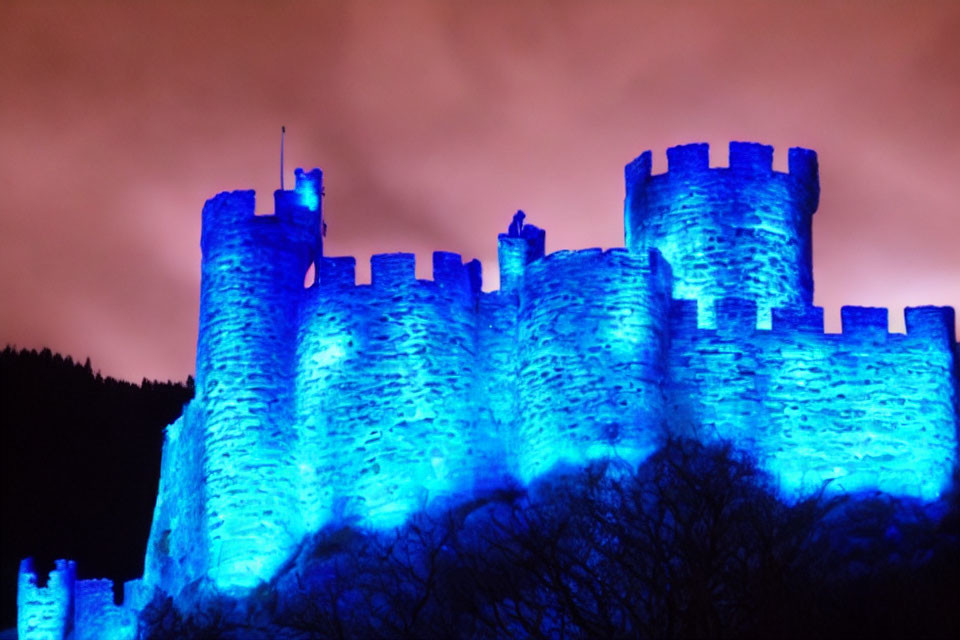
(79, 462)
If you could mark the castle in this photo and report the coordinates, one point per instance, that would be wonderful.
(339, 402)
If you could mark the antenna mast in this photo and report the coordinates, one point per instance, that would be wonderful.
(283, 134)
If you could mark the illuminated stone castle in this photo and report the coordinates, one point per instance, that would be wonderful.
(339, 402)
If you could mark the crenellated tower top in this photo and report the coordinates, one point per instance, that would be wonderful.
(738, 231)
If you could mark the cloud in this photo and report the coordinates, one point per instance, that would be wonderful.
(433, 122)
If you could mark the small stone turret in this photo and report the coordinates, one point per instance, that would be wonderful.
(69, 608)
(46, 612)
(521, 245)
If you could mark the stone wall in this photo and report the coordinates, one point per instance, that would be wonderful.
(69, 608)
(98, 618)
(251, 287)
(346, 402)
(412, 389)
(338, 402)
(385, 398)
(46, 612)
(865, 409)
(177, 549)
(590, 357)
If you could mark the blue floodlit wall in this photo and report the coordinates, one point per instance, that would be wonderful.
(590, 359)
(67, 607)
(177, 552)
(329, 401)
(385, 407)
(742, 230)
(46, 612)
(865, 409)
(251, 287)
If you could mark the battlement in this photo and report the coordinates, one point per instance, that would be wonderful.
(929, 324)
(392, 269)
(397, 270)
(804, 168)
(70, 608)
(866, 408)
(450, 272)
(338, 271)
(748, 162)
(688, 158)
(297, 217)
(98, 616)
(799, 319)
(744, 158)
(864, 321)
(47, 611)
(227, 209)
(743, 230)
(936, 324)
(925, 325)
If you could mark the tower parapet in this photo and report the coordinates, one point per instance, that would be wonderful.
(737, 231)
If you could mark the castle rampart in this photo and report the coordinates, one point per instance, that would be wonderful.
(386, 372)
(363, 402)
(863, 409)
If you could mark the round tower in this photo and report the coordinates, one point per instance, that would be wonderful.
(252, 282)
(741, 231)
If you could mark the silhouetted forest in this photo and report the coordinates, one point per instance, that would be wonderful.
(79, 468)
(695, 543)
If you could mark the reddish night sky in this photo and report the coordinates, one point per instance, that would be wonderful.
(433, 123)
